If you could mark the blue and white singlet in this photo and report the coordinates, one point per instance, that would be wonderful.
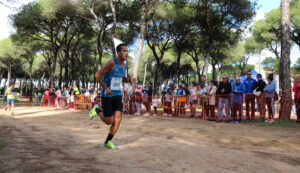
(113, 80)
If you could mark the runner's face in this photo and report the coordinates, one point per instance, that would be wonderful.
(123, 53)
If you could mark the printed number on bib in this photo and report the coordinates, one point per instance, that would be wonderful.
(115, 83)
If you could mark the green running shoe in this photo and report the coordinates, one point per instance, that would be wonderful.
(110, 145)
(93, 112)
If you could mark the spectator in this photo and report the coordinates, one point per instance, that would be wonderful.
(58, 97)
(182, 92)
(46, 96)
(169, 98)
(231, 80)
(224, 95)
(270, 90)
(147, 97)
(82, 91)
(92, 89)
(154, 104)
(258, 91)
(76, 90)
(40, 94)
(138, 99)
(212, 100)
(203, 80)
(164, 90)
(249, 97)
(296, 90)
(238, 90)
(193, 98)
(36, 96)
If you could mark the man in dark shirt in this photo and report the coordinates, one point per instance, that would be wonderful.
(223, 93)
(147, 97)
(260, 96)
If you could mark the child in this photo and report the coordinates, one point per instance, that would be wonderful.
(138, 99)
(154, 104)
(169, 99)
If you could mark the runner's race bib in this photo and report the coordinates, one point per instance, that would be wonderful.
(116, 83)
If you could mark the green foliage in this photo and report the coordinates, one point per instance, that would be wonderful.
(297, 65)
(270, 63)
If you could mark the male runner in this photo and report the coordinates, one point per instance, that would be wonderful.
(111, 93)
(11, 96)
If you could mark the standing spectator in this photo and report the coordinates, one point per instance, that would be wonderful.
(52, 97)
(58, 97)
(193, 98)
(296, 89)
(46, 96)
(82, 90)
(270, 90)
(182, 93)
(138, 99)
(164, 90)
(169, 98)
(249, 97)
(258, 91)
(212, 100)
(231, 80)
(238, 90)
(154, 104)
(40, 94)
(203, 80)
(147, 97)
(76, 90)
(36, 96)
(224, 96)
(92, 89)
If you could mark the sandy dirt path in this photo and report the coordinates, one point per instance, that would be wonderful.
(49, 140)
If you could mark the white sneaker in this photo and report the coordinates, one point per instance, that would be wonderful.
(165, 114)
(146, 114)
(170, 115)
(154, 115)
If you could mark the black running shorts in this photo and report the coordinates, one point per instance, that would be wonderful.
(111, 104)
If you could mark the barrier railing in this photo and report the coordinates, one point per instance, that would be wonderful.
(215, 107)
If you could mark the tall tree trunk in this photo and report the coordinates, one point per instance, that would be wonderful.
(60, 75)
(113, 29)
(53, 68)
(207, 57)
(8, 76)
(1, 75)
(145, 72)
(198, 71)
(140, 42)
(214, 71)
(156, 80)
(31, 81)
(284, 63)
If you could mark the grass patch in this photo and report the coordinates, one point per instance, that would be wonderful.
(276, 124)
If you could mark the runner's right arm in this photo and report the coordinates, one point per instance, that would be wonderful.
(108, 67)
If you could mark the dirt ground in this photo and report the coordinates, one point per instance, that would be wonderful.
(46, 140)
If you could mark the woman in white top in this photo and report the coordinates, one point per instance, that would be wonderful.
(212, 100)
(193, 98)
